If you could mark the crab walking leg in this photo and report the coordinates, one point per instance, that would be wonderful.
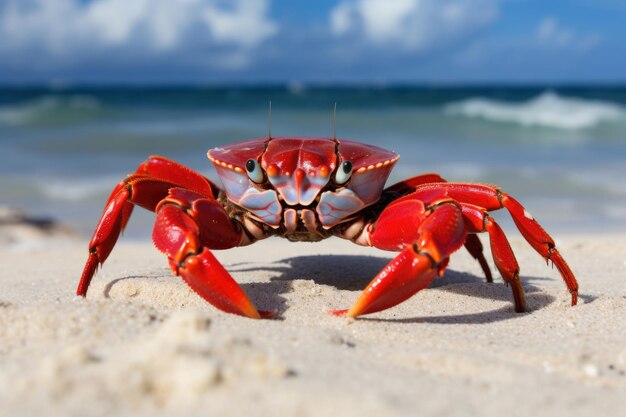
(505, 262)
(475, 248)
(164, 169)
(439, 231)
(491, 198)
(146, 187)
(541, 242)
(171, 171)
(142, 191)
(478, 220)
(185, 229)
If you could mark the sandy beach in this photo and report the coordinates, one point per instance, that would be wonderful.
(142, 343)
(269, 100)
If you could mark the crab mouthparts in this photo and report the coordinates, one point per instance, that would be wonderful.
(326, 209)
(298, 189)
(271, 207)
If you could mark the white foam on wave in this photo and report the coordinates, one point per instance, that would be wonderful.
(546, 110)
(33, 110)
(77, 189)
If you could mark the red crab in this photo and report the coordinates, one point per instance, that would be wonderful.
(308, 189)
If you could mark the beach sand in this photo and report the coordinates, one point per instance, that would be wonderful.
(143, 344)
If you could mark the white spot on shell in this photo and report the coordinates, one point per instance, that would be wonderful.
(528, 215)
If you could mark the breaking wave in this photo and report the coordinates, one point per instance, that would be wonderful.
(66, 189)
(49, 109)
(546, 110)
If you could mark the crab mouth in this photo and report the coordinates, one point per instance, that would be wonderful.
(298, 207)
(326, 209)
(301, 221)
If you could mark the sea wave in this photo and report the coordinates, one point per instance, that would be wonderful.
(546, 110)
(66, 189)
(49, 109)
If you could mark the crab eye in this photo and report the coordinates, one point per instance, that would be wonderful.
(254, 171)
(343, 173)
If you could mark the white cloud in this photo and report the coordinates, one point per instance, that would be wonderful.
(149, 27)
(550, 33)
(241, 25)
(412, 25)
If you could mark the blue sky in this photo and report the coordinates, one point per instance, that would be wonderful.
(324, 41)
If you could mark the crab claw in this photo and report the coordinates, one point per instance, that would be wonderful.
(210, 280)
(405, 275)
(417, 265)
(185, 228)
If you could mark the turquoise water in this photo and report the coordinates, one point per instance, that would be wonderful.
(562, 152)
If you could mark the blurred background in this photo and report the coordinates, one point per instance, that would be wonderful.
(530, 95)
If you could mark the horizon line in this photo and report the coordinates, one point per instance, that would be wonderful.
(313, 85)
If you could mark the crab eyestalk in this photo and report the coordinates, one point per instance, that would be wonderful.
(343, 174)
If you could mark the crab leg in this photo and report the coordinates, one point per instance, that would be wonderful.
(187, 225)
(145, 188)
(427, 237)
(161, 168)
(491, 198)
(168, 170)
(475, 248)
(478, 219)
(138, 189)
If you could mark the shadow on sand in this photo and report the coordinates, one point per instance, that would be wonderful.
(354, 272)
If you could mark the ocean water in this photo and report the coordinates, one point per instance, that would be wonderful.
(561, 152)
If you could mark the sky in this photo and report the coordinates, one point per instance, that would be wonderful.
(327, 42)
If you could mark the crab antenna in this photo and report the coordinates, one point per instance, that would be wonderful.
(270, 121)
(335, 122)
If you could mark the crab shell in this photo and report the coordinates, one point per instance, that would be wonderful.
(298, 175)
